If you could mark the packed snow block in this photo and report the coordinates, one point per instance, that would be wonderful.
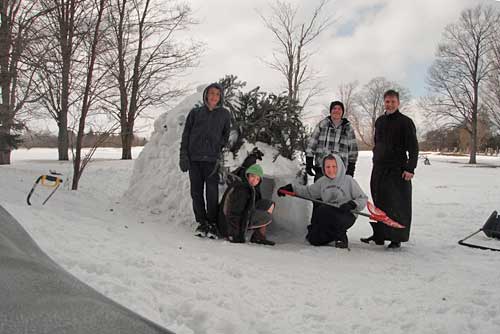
(291, 215)
(267, 186)
(38, 296)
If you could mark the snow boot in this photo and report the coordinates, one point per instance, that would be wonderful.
(258, 238)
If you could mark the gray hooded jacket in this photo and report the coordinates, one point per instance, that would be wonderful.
(206, 132)
(337, 191)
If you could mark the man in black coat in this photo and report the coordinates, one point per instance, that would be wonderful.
(395, 156)
(205, 133)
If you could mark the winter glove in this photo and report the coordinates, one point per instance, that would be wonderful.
(257, 153)
(288, 187)
(351, 167)
(347, 207)
(184, 164)
(309, 166)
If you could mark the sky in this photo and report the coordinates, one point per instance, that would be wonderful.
(396, 39)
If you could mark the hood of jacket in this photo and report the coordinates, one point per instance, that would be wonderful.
(339, 179)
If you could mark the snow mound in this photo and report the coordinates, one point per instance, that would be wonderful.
(159, 187)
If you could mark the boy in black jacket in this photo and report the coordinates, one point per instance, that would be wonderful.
(205, 133)
(242, 208)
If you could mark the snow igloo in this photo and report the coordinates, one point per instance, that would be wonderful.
(158, 187)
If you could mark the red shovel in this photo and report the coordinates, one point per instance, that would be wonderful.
(375, 213)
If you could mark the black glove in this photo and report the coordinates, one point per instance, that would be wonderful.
(309, 166)
(351, 167)
(184, 164)
(257, 153)
(347, 207)
(288, 187)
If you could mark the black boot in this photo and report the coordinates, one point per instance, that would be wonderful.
(394, 244)
(343, 242)
(372, 238)
(258, 238)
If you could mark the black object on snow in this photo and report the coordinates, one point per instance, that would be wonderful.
(38, 296)
(491, 228)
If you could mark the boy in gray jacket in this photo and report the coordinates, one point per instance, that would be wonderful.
(335, 187)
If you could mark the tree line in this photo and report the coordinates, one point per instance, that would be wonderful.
(31, 139)
(108, 62)
(83, 62)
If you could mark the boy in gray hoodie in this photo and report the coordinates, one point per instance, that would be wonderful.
(335, 187)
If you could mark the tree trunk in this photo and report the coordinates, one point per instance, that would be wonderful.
(62, 138)
(127, 146)
(473, 140)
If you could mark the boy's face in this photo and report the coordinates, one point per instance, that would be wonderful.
(336, 113)
(331, 168)
(253, 179)
(213, 97)
(391, 103)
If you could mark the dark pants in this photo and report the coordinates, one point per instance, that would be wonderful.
(204, 181)
(392, 194)
(318, 173)
(329, 224)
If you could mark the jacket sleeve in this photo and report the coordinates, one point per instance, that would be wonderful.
(309, 191)
(184, 151)
(312, 144)
(411, 147)
(353, 146)
(358, 195)
(226, 130)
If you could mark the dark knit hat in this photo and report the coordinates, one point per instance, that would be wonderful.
(337, 103)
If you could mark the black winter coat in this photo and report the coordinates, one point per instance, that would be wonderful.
(235, 210)
(205, 132)
(395, 142)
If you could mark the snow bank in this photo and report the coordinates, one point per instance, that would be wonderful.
(158, 185)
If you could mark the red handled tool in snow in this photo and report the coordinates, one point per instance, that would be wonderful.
(50, 181)
(375, 213)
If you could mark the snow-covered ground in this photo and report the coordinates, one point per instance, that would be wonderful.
(146, 258)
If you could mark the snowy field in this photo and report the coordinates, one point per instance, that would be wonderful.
(147, 259)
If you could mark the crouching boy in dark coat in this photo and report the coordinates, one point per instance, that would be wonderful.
(335, 187)
(242, 209)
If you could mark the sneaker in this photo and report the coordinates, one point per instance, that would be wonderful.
(212, 232)
(341, 244)
(260, 239)
(394, 244)
(201, 230)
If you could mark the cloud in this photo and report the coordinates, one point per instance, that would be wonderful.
(392, 38)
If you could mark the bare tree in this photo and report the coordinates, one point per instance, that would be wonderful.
(347, 94)
(145, 58)
(16, 74)
(370, 105)
(492, 100)
(461, 69)
(292, 59)
(60, 72)
(93, 40)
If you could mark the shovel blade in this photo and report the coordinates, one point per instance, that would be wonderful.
(381, 216)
